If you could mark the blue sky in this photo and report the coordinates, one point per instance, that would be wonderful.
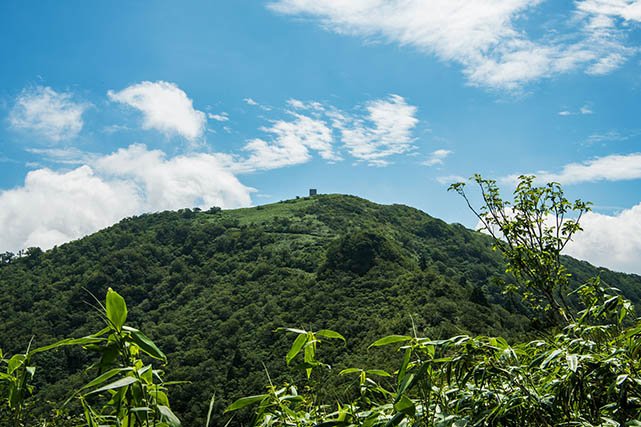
(111, 109)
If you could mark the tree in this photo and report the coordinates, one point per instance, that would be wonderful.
(531, 232)
(6, 257)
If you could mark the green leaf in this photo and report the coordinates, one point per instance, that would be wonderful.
(145, 343)
(409, 380)
(146, 375)
(101, 379)
(245, 401)
(31, 370)
(327, 333)
(116, 309)
(573, 362)
(105, 330)
(406, 406)
(310, 357)
(553, 355)
(350, 371)
(297, 331)
(67, 342)
(123, 382)
(15, 362)
(89, 414)
(298, 344)
(168, 416)
(403, 370)
(211, 409)
(379, 372)
(390, 339)
(161, 397)
(621, 379)
(632, 332)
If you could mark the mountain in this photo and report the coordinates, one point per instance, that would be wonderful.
(210, 287)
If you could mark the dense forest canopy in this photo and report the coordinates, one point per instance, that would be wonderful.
(211, 287)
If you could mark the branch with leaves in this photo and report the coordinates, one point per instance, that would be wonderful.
(531, 232)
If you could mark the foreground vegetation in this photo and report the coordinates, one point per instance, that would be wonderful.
(331, 262)
(125, 392)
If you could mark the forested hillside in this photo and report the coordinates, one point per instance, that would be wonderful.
(210, 287)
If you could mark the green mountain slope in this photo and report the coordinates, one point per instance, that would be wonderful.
(211, 287)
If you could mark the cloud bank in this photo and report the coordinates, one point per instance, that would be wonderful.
(53, 207)
(486, 37)
(613, 241)
(615, 167)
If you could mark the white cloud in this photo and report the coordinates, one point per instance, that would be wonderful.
(607, 64)
(437, 157)
(584, 111)
(297, 104)
(165, 108)
(311, 105)
(128, 182)
(222, 117)
(111, 129)
(55, 207)
(189, 180)
(5, 159)
(254, 103)
(290, 144)
(613, 241)
(609, 136)
(53, 115)
(609, 168)
(630, 10)
(385, 130)
(483, 35)
(66, 156)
